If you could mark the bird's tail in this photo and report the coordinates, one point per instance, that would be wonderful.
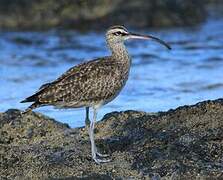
(31, 107)
(34, 98)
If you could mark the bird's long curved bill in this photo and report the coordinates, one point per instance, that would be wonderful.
(149, 37)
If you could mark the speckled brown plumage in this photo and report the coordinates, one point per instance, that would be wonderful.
(93, 83)
(87, 84)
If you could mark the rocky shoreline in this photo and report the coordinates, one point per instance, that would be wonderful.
(185, 143)
(85, 15)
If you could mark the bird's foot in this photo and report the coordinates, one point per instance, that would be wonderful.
(99, 160)
(102, 155)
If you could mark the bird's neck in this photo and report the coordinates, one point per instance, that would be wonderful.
(121, 56)
(119, 52)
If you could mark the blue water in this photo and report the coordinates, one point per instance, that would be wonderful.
(159, 79)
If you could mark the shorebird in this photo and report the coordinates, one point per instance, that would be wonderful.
(92, 84)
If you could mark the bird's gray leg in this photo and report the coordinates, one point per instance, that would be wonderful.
(93, 147)
(97, 153)
(87, 120)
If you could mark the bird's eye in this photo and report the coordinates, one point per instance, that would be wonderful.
(119, 33)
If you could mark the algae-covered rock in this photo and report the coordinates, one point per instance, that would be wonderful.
(185, 143)
(41, 14)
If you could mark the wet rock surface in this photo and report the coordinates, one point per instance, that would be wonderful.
(81, 14)
(185, 143)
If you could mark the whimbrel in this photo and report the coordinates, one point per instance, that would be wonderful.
(93, 83)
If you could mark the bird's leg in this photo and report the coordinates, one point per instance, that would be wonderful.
(87, 120)
(97, 153)
(94, 152)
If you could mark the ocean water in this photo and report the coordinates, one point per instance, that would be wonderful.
(159, 79)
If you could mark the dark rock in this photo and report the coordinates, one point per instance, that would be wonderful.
(185, 143)
(79, 14)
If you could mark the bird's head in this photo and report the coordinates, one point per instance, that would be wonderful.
(118, 34)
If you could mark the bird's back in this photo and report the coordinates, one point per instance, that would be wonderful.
(87, 84)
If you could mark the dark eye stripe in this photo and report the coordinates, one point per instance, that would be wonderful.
(119, 33)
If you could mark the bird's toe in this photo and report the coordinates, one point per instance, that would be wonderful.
(102, 155)
(99, 161)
